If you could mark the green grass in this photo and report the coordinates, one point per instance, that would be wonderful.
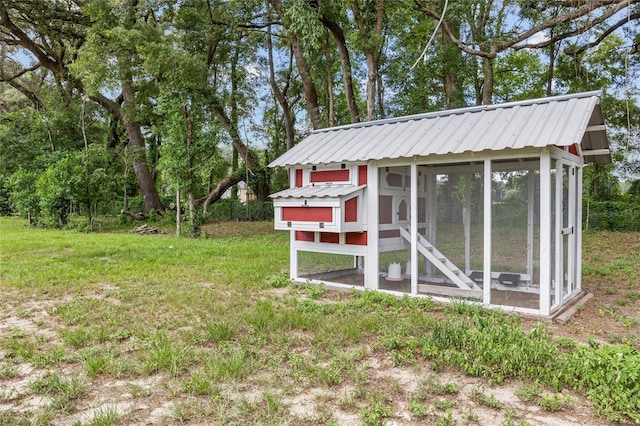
(213, 325)
(54, 262)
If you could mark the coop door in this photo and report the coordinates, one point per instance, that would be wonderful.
(566, 211)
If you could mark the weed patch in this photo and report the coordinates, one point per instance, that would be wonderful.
(610, 375)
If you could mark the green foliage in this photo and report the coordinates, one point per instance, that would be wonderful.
(166, 355)
(492, 345)
(22, 186)
(377, 413)
(529, 392)
(60, 184)
(195, 315)
(634, 189)
(63, 388)
(418, 409)
(107, 416)
(610, 375)
(479, 396)
(554, 402)
(612, 215)
(277, 281)
(519, 75)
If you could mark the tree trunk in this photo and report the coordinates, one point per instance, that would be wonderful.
(192, 214)
(134, 216)
(552, 59)
(232, 128)
(330, 98)
(219, 190)
(308, 87)
(178, 213)
(347, 78)
(487, 88)
(372, 81)
(145, 180)
(372, 42)
(138, 155)
(381, 110)
(281, 95)
(190, 172)
(234, 113)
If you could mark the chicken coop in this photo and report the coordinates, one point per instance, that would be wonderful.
(481, 203)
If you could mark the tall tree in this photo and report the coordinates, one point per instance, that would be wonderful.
(369, 19)
(495, 27)
(54, 32)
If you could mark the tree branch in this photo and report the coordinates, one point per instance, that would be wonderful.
(584, 10)
(585, 7)
(220, 189)
(22, 39)
(20, 73)
(446, 27)
(605, 34)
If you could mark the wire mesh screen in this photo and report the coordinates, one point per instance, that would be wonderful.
(515, 218)
(337, 268)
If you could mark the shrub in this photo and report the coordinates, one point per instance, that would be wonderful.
(612, 215)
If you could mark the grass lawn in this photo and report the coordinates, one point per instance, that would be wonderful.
(119, 328)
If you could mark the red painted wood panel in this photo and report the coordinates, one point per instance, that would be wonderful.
(573, 149)
(298, 178)
(305, 236)
(362, 175)
(329, 237)
(357, 238)
(307, 214)
(351, 210)
(330, 176)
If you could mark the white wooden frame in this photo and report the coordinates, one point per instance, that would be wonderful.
(484, 162)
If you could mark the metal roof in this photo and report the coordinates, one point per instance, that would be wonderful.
(560, 121)
(318, 191)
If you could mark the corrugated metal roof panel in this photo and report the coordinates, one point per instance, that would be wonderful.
(318, 191)
(560, 121)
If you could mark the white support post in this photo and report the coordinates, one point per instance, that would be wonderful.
(372, 274)
(414, 228)
(545, 233)
(579, 230)
(486, 290)
(293, 252)
(558, 252)
(293, 256)
(571, 240)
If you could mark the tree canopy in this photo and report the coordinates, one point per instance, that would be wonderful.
(105, 103)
